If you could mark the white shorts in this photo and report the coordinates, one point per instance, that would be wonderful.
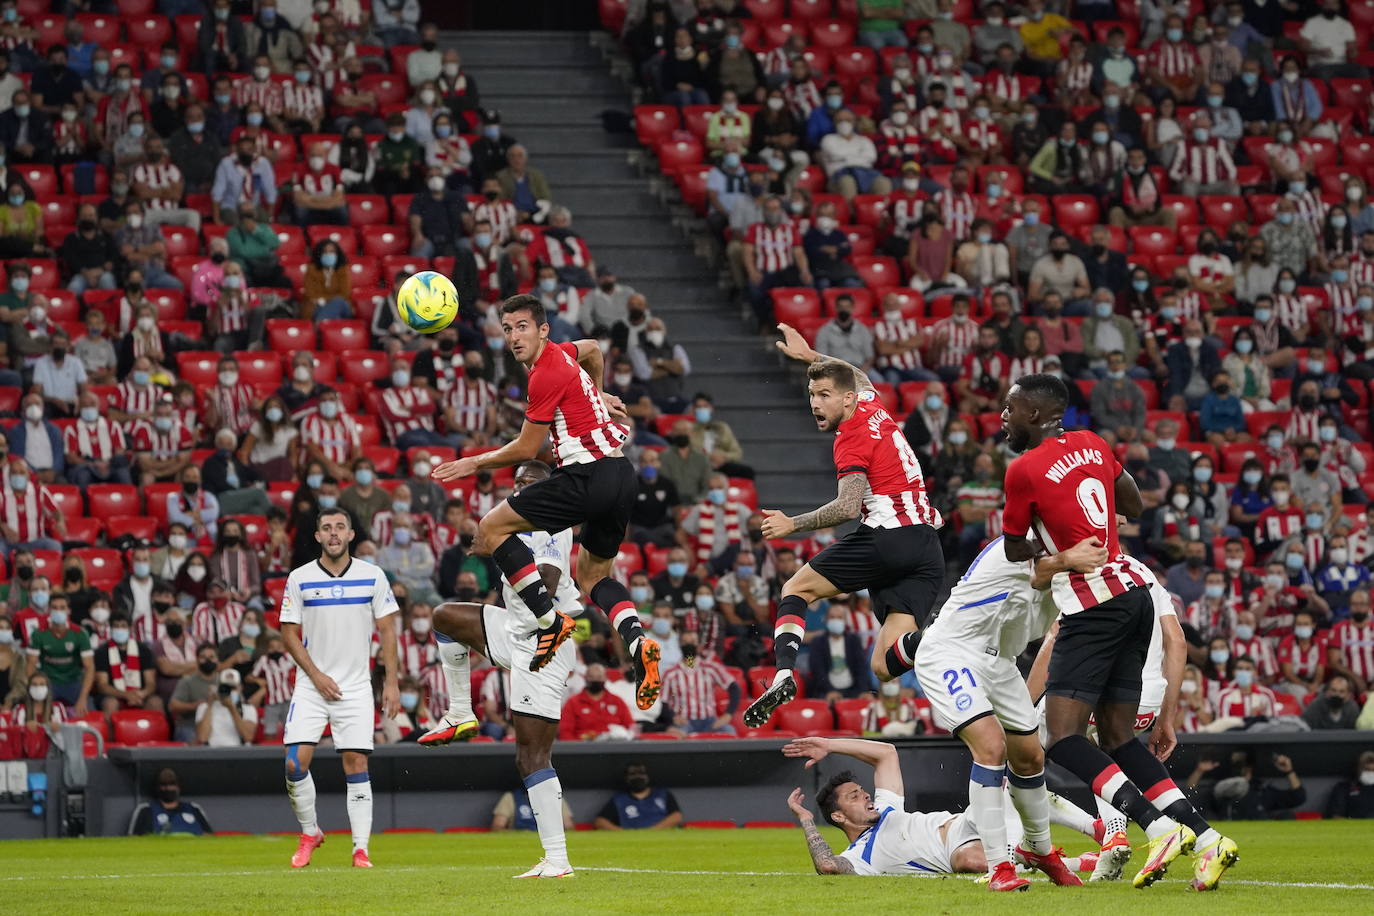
(963, 684)
(1144, 721)
(532, 693)
(352, 719)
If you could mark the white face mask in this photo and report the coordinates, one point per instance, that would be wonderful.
(38, 692)
(436, 184)
(146, 324)
(228, 379)
(176, 541)
(900, 118)
(911, 185)
(303, 373)
(195, 573)
(427, 97)
(845, 128)
(100, 614)
(33, 413)
(317, 163)
(655, 338)
(261, 74)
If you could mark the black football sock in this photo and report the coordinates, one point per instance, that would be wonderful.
(1146, 770)
(1089, 763)
(901, 655)
(787, 632)
(614, 599)
(516, 562)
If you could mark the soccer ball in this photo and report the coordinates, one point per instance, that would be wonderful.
(428, 301)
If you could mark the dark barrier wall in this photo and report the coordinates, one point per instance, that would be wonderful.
(713, 780)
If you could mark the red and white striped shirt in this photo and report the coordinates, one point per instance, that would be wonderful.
(562, 395)
(1290, 311)
(1311, 209)
(1204, 163)
(1340, 299)
(957, 339)
(947, 118)
(404, 409)
(893, 331)
(1308, 663)
(268, 94)
(568, 251)
(1259, 649)
(98, 441)
(897, 144)
(503, 218)
(489, 272)
(1026, 365)
(1003, 86)
(157, 177)
(984, 372)
(1356, 645)
(1212, 619)
(338, 439)
(1191, 305)
(1303, 426)
(1171, 60)
(303, 101)
(232, 407)
(1275, 524)
(211, 625)
(230, 313)
(802, 98)
(382, 524)
(27, 512)
(957, 209)
(691, 692)
(904, 211)
(146, 437)
(870, 442)
(984, 135)
(772, 246)
(480, 502)
(278, 675)
(1075, 77)
(131, 399)
(151, 631)
(1361, 270)
(320, 183)
(471, 400)
(1239, 703)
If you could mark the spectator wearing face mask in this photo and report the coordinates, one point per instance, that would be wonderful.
(439, 219)
(240, 650)
(715, 527)
(689, 691)
(226, 719)
(243, 179)
(1350, 643)
(595, 713)
(125, 671)
(37, 442)
(217, 618)
(838, 663)
(741, 593)
(29, 517)
(1334, 708)
(193, 692)
(168, 813)
(95, 447)
(1354, 798)
(332, 438)
(686, 465)
(64, 655)
(1194, 710)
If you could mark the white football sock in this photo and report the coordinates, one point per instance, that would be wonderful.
(1207, 838)
(302, 794)
(1066, 814)
(781, 675)
(1032, 802)
(546, 801)
(458, 672)
(359, 808)
(1113, 819)
(985, 806)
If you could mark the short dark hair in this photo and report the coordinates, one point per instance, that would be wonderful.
(325, 513)
(207, 645)
(533, 468)
(525, 303)
(1048, 389)
(825, 798)
(837, 371)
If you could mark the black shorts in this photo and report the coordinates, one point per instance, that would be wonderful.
(598, 496)
(1099, 653)
(902, 568)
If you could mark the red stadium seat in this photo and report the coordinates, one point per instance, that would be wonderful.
(878, 271)
(678, 153)
(910, 301)
(367, 209)
(393, 264)
(379, 241)
(199, 367)
(806, 717)
(155, 495)
(363, 367)
(47, 30)
(389, 89)
(777, 32)
(86, 531)
(791, 304)
(809, 9)
(290, 334)
(63, 306)
(68, 499)
(134, 726)
(180, 241)
(1185, 209)
(1073, 210)
(1152, 240)
(854, 64)
(290, 240)
(834, 34)
(862, 300)
(98, 28)
(259, 367)
(170, 303)
(59, 209)
(765, 10)
(42, 179)
(112, 499)
(655, 123)
(339, 334)
(364, 272)
(140, 527)
(10, 395)
(346, 237)
(48, 564)
(148, 31)
(1219, 211)
(104, 568)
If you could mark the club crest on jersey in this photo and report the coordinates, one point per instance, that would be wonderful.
(867, 394)
(336, 591)
(963, 701)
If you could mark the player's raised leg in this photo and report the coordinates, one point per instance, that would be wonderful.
(605, 591)
(457, 629)
(805, 587)
(300, 789)
(497, 534)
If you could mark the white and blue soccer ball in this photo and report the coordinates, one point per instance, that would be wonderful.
(427, 301)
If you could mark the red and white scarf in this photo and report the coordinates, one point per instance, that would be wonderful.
(734, 515)
(122, 676)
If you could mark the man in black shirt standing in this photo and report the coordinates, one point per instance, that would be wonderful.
(88, 254)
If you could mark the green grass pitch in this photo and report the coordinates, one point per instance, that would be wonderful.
(1304, 867)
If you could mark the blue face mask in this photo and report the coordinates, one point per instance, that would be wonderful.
(744, 572)
(1168, 312)
(254, 119)
(934, 402)
(1214, 591)
(195, 127)
(329, 259)
(833, 102)
(141, 378)
(39, 599)
(328, 501)
(1339, 277)
(1250, 79)
(409, 700)
(364, 476)
(677, 570)
(1285, 218)
(222, 99)
(702, 414)
(548, 284)
(1293, 561)
(1140, 285)
(730, 160)
(1245, 678)
(732, 41)
(640, 593)
(443, 131)
(1104, 309)
(1215, 101)
(650, 474)
(705, 602)
(717, 496)
(1244, 346)
(1252, 478)
(1314, 522)
(492, 131)
(135, 130)
(1202, 475)
(1174, 35)
(314, 481)
(496, 343)
(101, 67)
(482, 240)
(1031, 219)
(1263, 315)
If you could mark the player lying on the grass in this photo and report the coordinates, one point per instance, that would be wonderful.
(328, 613)
(508, 637)
(894, 553)
(595, 486)
(966, 664)
(1068, 486)
(885, 838)
(1165, 660)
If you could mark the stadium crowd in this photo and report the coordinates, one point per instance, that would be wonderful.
(203, 348)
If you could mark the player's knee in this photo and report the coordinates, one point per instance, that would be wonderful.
(1026, 758)
(295, 768)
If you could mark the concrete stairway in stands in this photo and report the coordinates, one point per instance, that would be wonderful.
(551, 88)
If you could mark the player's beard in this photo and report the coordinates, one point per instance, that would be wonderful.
(1018, 440)
(331, 556)
(826, 424)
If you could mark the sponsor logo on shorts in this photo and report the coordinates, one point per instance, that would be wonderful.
(963, 701)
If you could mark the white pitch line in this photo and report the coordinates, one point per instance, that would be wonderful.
(586, 868)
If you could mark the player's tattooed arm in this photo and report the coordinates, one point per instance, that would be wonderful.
(841, 509)
(796, 347)
(822, 856)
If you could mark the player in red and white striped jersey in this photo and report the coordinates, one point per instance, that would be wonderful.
(594, 486)
(1069, 486)
(895, 552)
(95, 447)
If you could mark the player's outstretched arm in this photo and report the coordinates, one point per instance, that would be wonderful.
(822, 856)
(845, 506)
(887, 773)
(522, 448)
(794, 345)
(1084, 557)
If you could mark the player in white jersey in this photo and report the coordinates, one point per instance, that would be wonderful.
(1165, 660)
(508, 637)
(328, 614)
(884, 838)
(966, 665)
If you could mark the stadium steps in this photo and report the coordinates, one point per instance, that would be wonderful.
(551, 88)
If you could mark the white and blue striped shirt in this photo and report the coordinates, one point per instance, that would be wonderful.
(337, 614)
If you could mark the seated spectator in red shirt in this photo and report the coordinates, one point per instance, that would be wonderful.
(1350, 644)
(95, 446)
(983, 381)
(125, 671)
(1281, 520)
(595, 714)
(1247, 698)
(317, 193)
(1302, 657)
(689, 690)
